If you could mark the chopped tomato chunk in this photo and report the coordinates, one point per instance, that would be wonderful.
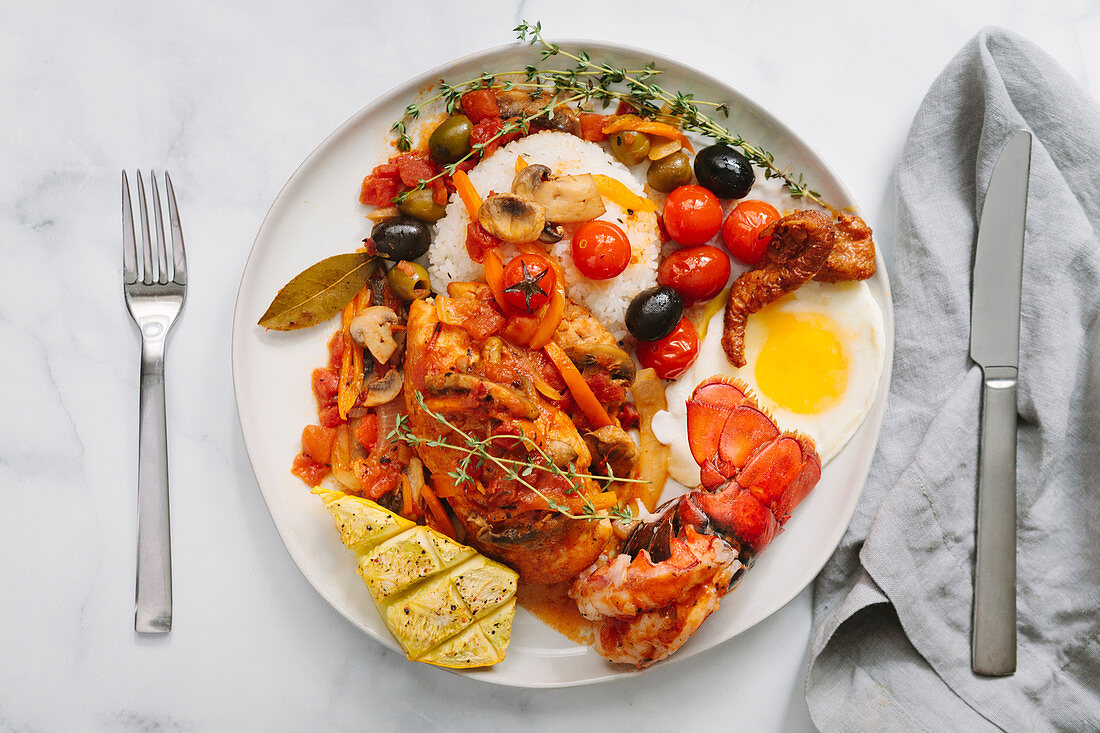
(309, 470)
(480, 104)
(478, 241)
(326, 385)
(317, 442)
(381, 185)
(414, 168)
(367, 432)
(592, 127)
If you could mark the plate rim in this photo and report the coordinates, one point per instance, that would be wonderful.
(665, 61)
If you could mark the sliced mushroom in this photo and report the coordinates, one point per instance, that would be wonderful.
(511, 218)
(552, 233)
(566, 199)
(384, 389)
(561, 453)
(608, 356)
(372, 328)
(615, 448)
(500, 396)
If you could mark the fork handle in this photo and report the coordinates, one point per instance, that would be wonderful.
(153, 607)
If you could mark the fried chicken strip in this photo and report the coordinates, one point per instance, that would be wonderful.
(853, 255)
(800, 245)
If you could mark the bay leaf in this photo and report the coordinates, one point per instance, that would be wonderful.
(318, 292)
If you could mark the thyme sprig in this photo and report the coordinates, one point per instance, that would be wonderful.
(476, 451)
(586, 83)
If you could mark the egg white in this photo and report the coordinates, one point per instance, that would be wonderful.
(858, 327)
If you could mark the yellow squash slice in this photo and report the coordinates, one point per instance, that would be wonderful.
(443, 602)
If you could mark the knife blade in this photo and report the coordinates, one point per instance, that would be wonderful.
(995, 346)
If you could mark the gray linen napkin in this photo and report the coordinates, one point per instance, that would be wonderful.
(892, 610)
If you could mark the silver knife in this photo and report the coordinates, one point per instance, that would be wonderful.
(995, 346)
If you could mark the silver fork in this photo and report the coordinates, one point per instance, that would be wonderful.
(155, 284)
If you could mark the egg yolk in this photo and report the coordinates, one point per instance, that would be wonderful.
(801, 366)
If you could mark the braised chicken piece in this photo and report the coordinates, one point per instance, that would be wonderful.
(853, 255)
(486, 388)
(800, 245)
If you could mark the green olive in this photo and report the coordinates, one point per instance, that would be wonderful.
(408, 281)
(420, 204)
(630, 147)
(451, 140)
(671, 171)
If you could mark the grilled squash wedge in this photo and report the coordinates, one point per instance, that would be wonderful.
(443, 602)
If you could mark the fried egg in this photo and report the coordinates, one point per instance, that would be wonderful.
(814, 360)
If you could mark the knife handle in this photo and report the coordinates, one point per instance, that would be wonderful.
(994, 641)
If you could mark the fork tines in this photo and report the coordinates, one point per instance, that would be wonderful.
(169, 263)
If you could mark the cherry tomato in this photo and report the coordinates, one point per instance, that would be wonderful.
(528, 282)
(696, 273)
(741, 232)
(671, 356)
(692, 215)
(600, 249)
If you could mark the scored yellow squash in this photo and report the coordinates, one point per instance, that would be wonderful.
(443, 602)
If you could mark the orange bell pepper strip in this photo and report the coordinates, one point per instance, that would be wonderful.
(580, 390)
(550, 319)
(351, 363)
(622, 123)
(466, 191)
(614, 190)
(520, 163)
(494, 275)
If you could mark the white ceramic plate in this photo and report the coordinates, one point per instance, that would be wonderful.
(317, 214)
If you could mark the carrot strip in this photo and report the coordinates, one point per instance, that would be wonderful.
(469, 195)
(614, 190)
(494, 275)
(580, 390)
(520, 163)
(406, 498)
(437, 510)
(622, 123)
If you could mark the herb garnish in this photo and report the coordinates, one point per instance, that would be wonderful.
(475, 452)
(586, 82)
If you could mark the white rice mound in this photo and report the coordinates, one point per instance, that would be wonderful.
(564, 154)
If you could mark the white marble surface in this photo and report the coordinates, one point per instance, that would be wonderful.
(230, 97)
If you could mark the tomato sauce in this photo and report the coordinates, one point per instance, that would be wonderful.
(552, 605)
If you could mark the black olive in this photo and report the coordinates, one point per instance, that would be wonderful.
(724, 171)
(402, 238)
(654, 313)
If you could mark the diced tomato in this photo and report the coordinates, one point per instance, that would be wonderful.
(592, 127)
(625, 108)
(317, 442)
(604, 388)
(379, 479)
(661, 231)
(378, 191)
(326, 385)
(329, 416)
(478, 241)
(480, 104)
(483, 133)
(380, 186)
(628, 416)
(309, 470)
(336, 346)
(439, 191)
(367, 432)
(414, 168)
(466, 165)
